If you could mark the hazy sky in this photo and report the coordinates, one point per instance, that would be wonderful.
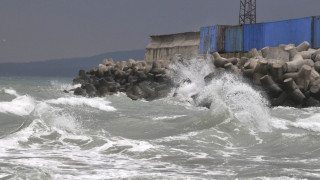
(33, 30)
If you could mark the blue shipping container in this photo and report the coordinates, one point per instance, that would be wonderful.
(272, 34)
(293, 31)
(212, 39)
(233, 39)
(204, 39)
(213, 34)
(316, 32)
(216, 38)
(243, 38)
(253, 35)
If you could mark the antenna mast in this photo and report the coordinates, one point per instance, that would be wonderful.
(247, 14)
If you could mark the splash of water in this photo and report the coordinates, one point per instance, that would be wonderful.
(228, 96)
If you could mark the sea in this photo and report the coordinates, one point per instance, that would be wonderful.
(46, 133)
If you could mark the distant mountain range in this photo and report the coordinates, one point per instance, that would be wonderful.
(68, 67)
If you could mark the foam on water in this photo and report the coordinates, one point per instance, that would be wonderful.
(129, 144)
(276, 178)
(311, 123)
(98, 103)
(63, 138)
(21, 105)
(168, 117)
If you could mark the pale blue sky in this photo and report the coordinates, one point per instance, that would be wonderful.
(33, 30)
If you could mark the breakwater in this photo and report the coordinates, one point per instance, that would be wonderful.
(278, 56)
(288, 74)
(137, 79)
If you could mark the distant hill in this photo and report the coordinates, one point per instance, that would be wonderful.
(68, 67)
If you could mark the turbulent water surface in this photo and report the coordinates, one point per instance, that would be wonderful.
(48, 134)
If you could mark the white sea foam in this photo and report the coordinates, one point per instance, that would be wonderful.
(276, 178)
(253, 133)
(11, 92)
(293, 136)
(279, 123)
(311, 123)
(181, 137)
(130, 144)
(22, 105)
(168, 117)
(98, 103)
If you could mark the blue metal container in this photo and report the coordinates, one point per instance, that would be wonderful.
(273, 34)
(204, 40)
(293, 31)
(316, 32)
(216, 38)
(253, 35)
(213, 34)
(233, 39)
(243, 38)
(212, 39)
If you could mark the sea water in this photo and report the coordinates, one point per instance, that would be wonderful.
(48, 134)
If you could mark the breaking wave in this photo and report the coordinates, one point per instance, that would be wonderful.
(20, 105)
(99, 103)
(228, 96)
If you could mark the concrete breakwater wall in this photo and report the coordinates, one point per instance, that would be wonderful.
(164, 47)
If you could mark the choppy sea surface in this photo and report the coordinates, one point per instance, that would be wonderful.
(48, 134)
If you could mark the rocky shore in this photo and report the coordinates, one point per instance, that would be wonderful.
(288, 74)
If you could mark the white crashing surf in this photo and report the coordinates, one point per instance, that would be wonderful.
(311, 123)
(21, 105)
(56, 117)
(167, 117)
(98, 103)
(230, 97)
(63, 86)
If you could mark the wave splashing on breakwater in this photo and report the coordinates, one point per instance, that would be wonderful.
(227, 95)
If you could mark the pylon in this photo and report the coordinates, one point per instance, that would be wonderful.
(247, 14)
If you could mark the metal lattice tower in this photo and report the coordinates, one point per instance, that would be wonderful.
(247, 13)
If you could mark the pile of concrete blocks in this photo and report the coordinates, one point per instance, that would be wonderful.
(289, 74)
(135, 78)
